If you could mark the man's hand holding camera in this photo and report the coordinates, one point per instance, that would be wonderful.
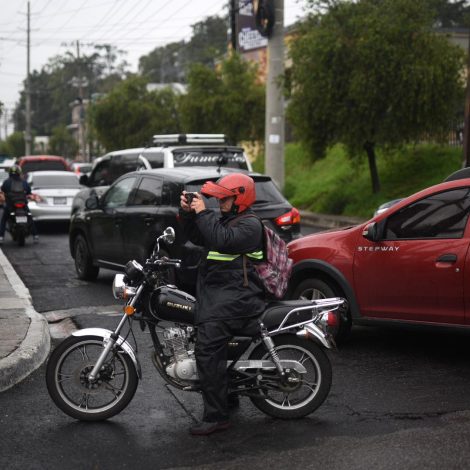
(192, 202)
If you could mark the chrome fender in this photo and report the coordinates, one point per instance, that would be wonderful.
(314, 333)
(105, 334)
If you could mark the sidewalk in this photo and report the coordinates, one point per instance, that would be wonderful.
(24, 333)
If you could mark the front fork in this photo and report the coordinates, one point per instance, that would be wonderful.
(93, 375)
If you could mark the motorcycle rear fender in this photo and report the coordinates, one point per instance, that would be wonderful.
(105, 334)
(314, 333)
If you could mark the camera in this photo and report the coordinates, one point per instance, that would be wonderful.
(190, 197)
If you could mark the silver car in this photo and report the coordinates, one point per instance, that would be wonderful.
(53, 193)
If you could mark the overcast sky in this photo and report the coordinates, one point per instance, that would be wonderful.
(136, 26)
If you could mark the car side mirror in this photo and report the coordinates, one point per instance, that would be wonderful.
(92, 202)
(83, 180)
(371, 232)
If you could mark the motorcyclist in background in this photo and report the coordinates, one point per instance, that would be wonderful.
(229, 293)
(15, 189)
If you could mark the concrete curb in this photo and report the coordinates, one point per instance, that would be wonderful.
(35, 346)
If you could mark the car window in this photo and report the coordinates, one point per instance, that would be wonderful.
(155, 159)
(441, 215)
(55, 181)
(149, 192)
(118, 194)
(122, 164)
(209, 157)
(43, 165)
(101, 176)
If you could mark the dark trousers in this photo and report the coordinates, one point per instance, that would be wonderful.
(211, 359)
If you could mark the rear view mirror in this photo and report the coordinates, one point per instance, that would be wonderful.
(169, 235)
(371, 232)
(92, 202)
(83, 180)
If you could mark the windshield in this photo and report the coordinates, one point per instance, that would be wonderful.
(43, 165)
(56, 181)
(210, 157)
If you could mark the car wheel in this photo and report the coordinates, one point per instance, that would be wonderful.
(83, 262)
(313, 289)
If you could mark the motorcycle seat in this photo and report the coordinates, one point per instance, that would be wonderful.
(276, 312)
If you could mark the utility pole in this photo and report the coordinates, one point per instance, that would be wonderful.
(5, 122)
(274, 136)
(233, 24)
(27, 137)
(81, 129)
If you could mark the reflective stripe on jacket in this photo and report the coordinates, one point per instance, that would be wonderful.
(216, 256)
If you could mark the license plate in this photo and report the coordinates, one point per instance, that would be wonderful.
(60, 201)
(21, 219)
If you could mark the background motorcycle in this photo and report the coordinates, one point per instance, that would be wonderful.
(281, 364)
(19, 222)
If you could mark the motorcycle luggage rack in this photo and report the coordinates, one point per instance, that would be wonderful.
(330, 304)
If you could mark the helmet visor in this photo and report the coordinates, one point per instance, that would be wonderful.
(211, 189)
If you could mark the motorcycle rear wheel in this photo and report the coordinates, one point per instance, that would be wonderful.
(67, 379)
(292, 401)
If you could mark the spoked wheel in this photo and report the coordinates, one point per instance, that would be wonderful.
(68, 385)
(83, 262)
(300, 393)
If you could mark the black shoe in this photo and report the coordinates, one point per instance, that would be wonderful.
(204, 428)
(233, 401)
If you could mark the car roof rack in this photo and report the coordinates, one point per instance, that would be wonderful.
(182, 139)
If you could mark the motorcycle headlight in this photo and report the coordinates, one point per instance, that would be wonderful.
(120, 289)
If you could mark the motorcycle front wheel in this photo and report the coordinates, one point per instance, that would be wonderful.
(302, 393)
(67, 379)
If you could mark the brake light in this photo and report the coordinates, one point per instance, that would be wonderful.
(37, 198)
(332, 320)
(19, 205)
(290, 218)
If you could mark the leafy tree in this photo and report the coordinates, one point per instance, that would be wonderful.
(227, 100)
(55, 86)
(13, 145)
(129, 115)
(170, 63)
(372, 73)
(62, 143)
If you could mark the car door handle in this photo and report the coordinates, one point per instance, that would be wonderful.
(447, 258)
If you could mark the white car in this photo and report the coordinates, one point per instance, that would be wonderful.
(53, 193)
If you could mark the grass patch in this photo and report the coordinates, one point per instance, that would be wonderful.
(341, 185)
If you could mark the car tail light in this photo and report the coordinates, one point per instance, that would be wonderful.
(290, 218)
(19, 205)
(37, 198)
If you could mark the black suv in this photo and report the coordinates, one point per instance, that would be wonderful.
(124, 222)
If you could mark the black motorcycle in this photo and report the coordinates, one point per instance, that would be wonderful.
(19, 222)
(281, 365)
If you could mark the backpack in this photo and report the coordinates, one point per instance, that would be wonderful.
(275, 269)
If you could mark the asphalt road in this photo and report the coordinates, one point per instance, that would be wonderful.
(400, 399)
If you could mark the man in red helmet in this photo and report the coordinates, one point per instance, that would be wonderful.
(229, 295)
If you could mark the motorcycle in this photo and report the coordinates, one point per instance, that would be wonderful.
(281, 364)
(19, 222)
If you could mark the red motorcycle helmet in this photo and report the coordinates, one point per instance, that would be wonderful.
(237, 184)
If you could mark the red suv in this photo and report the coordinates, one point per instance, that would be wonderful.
(409, 264)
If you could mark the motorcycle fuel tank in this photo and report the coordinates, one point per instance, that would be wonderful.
(171, 304)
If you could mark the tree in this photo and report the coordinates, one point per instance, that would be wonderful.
(170, 63)
(129, 115)
(13, 145)
(62, 143)
(227, 100)
(54, 87)
(372, 74)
